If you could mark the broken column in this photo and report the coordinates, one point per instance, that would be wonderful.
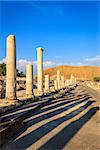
(55, 85)
(47, 80)
(40, 71)
(58, 79)
(11, 67)
(29, 80)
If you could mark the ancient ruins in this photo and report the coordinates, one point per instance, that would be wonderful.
(42, 82)
(55, 108)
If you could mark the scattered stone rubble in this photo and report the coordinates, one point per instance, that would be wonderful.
(93, 85)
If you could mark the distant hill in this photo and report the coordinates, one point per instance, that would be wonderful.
(81, 72)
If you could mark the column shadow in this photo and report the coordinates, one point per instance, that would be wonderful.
(69, 131)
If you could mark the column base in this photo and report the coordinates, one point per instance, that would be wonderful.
(47, 91)
(29, 96)
(39, 93)
(11, 98)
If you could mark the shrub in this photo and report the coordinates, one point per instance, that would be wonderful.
(96, 79)
(2, 69)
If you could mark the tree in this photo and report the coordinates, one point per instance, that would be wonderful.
(2, 69)
(20, 74)
(96, 79)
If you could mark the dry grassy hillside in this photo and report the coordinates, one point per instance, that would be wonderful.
(81, 72)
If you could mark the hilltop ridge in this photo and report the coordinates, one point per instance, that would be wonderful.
(81, 72)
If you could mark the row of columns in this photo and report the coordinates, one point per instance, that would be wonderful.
(11, 71)
(59, 83)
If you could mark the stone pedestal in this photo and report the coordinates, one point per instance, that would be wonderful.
(40, 71)
(58, 79)
(29, 80)
(47, 80)
(11, 67)
(55, 85)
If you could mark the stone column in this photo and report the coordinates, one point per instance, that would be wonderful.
(29, 80)
(65, 83)
(68, 82)
(47, 80)
(55, 85)
(11, 67)
(72, 79)
(40, 71)
(62, 81)
(58, 79)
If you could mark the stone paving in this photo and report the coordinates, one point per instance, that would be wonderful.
(69, 123)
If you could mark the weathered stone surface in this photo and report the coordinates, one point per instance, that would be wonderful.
(55, 85)
(58, 79)
(47, 86)
(62, 82)
(11, 67)
(29, 80)
(40, 70)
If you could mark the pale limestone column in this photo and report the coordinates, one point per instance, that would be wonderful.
(29, 80)
(40, 71)
(75, 80)
(58, 79)
(62, 82)
(65, 83)
(55, 85)
(11, 67)
(72, 79)
(47, 80)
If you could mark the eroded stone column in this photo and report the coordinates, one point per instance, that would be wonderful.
(55, 85)
(40, 71)
(62, 82)
(29, 80)
(58, 79)
(11, 67)
(47, 80)
(67, 83)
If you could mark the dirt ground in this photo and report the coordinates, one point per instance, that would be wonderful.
(62, 124)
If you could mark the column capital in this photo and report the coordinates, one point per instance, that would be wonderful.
(11, 37)
(40, 49)
(47, 75)
(58, 71)
(29, 65)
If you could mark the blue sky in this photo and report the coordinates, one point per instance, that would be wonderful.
(69, 31)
